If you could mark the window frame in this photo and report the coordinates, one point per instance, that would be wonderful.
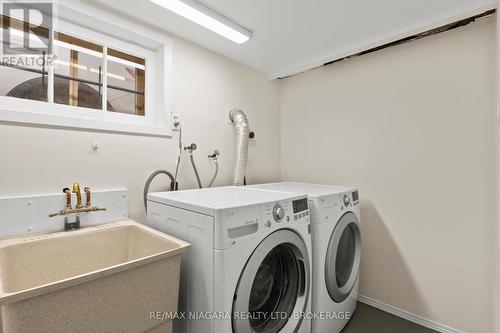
(158, 81)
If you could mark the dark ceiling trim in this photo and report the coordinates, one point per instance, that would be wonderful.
(427, 33)
(412, 38)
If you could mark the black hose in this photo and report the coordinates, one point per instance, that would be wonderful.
(173, 185)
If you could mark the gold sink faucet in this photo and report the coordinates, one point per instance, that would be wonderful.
(79, 206)
(76, 189)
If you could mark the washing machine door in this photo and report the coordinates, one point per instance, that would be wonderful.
(343, 258)
(273, 289)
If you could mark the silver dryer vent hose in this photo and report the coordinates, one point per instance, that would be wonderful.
(240, 121)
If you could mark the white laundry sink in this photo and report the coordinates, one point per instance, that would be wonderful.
(108, 278)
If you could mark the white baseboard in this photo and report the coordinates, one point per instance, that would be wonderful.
(433, 325)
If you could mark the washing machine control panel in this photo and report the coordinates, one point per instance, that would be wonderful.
(290, 211)
(300, 209)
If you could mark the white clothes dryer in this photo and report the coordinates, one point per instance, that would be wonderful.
(336, 237)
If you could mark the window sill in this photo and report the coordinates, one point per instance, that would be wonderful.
(14, 111)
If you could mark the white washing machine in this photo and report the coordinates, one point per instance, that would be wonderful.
(335, 214)
(249, 268)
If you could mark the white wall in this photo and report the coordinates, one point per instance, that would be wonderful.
(206, 86)
(412, 127)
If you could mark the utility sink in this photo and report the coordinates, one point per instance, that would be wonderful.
(109, 278)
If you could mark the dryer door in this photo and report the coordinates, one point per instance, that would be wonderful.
(273, 288)
(343, 258)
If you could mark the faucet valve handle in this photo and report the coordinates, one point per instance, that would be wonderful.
(214, 155)
(67, 191)
(87, 193)
(192, 147)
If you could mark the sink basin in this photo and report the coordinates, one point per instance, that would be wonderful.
(109, 278)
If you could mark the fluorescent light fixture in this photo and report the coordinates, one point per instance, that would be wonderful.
(207, 18)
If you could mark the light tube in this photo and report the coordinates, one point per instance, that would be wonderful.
(205, 17)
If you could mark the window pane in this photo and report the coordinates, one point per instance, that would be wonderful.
(23, 38)
(22, 75)
(126, 82)
(87, 96)
(78, 72)
(122, 102)
(23, 84)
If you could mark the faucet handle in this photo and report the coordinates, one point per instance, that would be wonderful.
(192, 147)
(87, 192)
(67, 191)
(214, 155)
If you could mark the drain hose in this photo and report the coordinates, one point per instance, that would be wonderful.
(148, 184)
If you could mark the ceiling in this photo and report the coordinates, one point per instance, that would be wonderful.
(291, 36)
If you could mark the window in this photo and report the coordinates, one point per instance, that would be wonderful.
(92, 79)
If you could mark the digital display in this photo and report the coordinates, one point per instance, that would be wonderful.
(300, 205)
(355, 196)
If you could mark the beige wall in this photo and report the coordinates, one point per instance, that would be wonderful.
(206, 87)
(412, 127)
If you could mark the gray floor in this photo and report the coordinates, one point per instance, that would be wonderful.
(367, 319)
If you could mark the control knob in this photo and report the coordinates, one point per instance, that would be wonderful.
(347, 201)
(278, 213)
